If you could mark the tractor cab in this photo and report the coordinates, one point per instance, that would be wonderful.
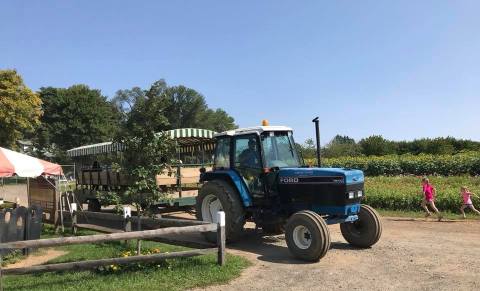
(255, 154)
(258, 175)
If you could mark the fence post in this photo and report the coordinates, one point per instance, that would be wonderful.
(139, 228)
(61, 212)
(179, 175)
(221, 238)
(127, 222)
(1, 276)
(27, 229)
(74, 218)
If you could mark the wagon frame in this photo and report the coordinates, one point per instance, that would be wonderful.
(94, 173)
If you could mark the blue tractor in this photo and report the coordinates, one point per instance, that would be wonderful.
(259, 176)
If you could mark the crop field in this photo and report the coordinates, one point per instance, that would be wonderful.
(467, 163)
(405, 192)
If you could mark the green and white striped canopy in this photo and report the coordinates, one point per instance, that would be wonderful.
(95, 149)
(186, 136)
(192, 139)
(188, 140)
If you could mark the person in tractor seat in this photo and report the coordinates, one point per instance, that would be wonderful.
(250, 157)
(250, 162)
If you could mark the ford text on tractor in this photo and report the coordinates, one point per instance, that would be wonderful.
(259, 176)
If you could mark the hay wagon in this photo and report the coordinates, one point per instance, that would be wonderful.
(95, 176)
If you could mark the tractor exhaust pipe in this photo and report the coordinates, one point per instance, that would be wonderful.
(317, 133)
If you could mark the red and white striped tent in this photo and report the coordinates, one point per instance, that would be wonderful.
(22, 165)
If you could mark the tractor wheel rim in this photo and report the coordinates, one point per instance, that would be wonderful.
(210, 206)
(302, 237)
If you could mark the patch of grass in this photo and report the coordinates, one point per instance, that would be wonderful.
(12, 257)
(48, 231)
(180, 274)
(172, 274)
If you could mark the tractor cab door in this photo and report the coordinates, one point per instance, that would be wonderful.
(248, 162)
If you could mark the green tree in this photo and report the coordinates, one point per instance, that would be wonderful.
(217, 120)
(146, 154)
(148, 112)
(180, 106)
(440, 145)
(308, 149)
(185, 107)
(125, 100)
(342, 139)
(20, 109)
(376, 145)
(342, 146)
(73, 117)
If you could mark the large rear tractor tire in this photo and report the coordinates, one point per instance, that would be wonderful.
(218, 195)
(364, 232)
(307, 236)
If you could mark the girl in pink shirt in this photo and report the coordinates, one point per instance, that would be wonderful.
(429, 197)
(467, 201)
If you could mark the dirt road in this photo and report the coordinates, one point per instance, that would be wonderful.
(411, 255)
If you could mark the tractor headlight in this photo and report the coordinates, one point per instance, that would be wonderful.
(351, 195)
(360, 193)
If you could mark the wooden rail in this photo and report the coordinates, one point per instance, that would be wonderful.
(146, 221)
(113, 223)
(145, 234)
(85, 265)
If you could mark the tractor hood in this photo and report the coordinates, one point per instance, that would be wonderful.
(321, 175)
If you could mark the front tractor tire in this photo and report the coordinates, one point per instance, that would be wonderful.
(307, 236)
(364, 232)
(219, 195)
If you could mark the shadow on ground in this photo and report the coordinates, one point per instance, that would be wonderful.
(273, 249)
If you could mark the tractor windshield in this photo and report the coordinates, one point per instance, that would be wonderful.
(279, 150)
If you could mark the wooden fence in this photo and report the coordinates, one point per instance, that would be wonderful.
(145, 234)
(113, 223)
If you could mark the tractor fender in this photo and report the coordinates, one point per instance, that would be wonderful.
(235, 179)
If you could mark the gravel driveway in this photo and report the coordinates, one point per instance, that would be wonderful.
(411, 255)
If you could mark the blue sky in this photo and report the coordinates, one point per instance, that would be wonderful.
(402, 69)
